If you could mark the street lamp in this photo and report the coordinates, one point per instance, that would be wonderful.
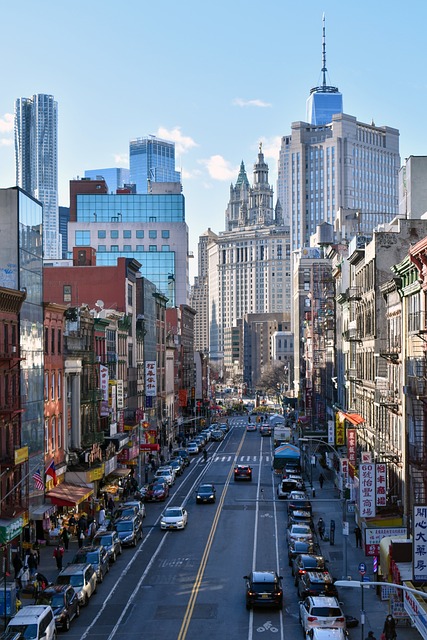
(345, 527)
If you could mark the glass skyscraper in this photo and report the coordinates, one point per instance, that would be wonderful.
(36, 158)
(115, 177)
(152, 160)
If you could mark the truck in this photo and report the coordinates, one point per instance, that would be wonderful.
(281, 434)
(286, 456)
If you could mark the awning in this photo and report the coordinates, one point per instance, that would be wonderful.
(149, 447)
(42, 511)
(68, 495)
(354, 418)
(119, 473)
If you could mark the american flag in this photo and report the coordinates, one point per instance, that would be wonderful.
(38, 480)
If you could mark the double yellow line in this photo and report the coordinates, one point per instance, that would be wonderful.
(200, 573)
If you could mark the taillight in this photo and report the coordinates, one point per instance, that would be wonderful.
(301, 571)
(340, 619)
(311, 619)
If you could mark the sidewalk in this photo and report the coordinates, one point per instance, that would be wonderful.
(327, 504)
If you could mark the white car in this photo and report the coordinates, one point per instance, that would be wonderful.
(321, 611)
(327, 633)
(192, 448)
(174, 518)
(167, 475)
(299, 532)
(168, 467)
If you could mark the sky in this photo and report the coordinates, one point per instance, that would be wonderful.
(216, 78)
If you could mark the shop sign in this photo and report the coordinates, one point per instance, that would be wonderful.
(366, 490)
(366, 456)
(331, 432)
(339, 429)
(419, 547)
(351, 446)
(120, 394)
(150, 378)
(110, 465)
(381, 483)
(95, 474)
(21, 455)
(374, 536)
(11, 530)
(344, 472)
(416, 611)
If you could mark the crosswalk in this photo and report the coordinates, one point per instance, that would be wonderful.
(241, 459)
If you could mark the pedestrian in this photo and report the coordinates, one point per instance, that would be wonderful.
(32, 563)
(358, 536)
(81, 538)
(321, 480)
(371, 636)
(110, 504)
(17, 564)
(389, 630)
(321, 528)
(146, 474)
(58, 554)
(101, 517)
(170, 448)
(65, 535)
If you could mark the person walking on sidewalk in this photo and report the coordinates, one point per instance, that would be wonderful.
(321, 528)
(321, 480)
(58, 554)
(371, 636)
(65, 535)
(358, 536)
(32, 563)
(389, 630)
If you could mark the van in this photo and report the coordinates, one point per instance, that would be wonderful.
(34, 621)
(82, 578)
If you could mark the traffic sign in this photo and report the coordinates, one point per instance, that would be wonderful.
(362, 568)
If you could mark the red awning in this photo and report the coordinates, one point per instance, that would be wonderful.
(354, 418)
(149, 447)
(69, 495)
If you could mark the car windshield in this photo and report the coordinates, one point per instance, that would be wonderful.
(300, 529)
(106, 540)
(74, 580)
(124, 526)
(326, 612)
(91, 557)
(262, 587)
(55, 599)
(125, 512)
(28, 631)
(173, 513)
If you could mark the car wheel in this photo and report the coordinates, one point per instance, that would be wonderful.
(108, 568)
(101, 577)
(114, 557)
(77, 611)
(121, 550)
(66, 624)
(248, 606)
(86, 601)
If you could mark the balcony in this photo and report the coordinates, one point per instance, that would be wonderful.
(12, 404)
(388, 398)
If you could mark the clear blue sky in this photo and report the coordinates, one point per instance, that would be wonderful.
(217, 78)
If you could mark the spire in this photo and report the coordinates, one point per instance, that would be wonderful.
(324, 87)
(242, 178)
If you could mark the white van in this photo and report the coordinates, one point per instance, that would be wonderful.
(34, 622)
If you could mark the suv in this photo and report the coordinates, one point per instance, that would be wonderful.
(296, 547)
(136, 504)
(205, 493)
(316, 583)
(64, 602)
(34, 621)
(97, 556)
(306, 562)
(264, 588)
(110, 541)
(129, 530)
(82, 578)
(242, 472)
(286, 487)
(182, 453)
(321, 612)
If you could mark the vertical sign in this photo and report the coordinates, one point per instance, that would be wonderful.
(419, 547)
(120, 394)
(331, 432)
(103, 381)
(381, 480)
(367, 490)
(351, 446)
(150, 378)
(339, 429)
(344, 472)
(366, 456)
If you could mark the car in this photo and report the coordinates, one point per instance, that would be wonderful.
(205, 493)
(224, 426)
(129, 530)
(298, 478)
(82, 578)
(97, 556)
(296, 547)
(307, 562)
(137, 504)
(286, 487)
(217, 435)
(321, 611)
(316, 583)
(177, 465)
(206, 434)
(300, 517)
(122, 511)
(264, 588)
(251, 426)
(110, 541)
(182, 453)
(34, 621)
(157, 491)
(265, 430)
(166, 474)
(298, 500)
(193, 448)
(326, 633)
(64, 602)
(299, 532)
(168, 467)
(174, 518)
(242, 472)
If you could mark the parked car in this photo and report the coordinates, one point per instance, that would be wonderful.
(242, 472)
(182, 453)
(299, 532)
(122, 511)
(316, 583)
(129, 530)
(82, 578)
(138, 504)
(297, 501)
(327, 633)
(296, 547)
(167, 474)
(64, 602)
(97, 556)
(264, 588)
(301, 517)
(205, 493)
(34, 621)
(224, 426)
(321, 612)
(193, 448)
(306, 562)
(177, 465)
(286, 487)
(110, 541)
(174, 518)
(217, 435)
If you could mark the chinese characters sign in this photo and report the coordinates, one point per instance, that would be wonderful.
(150, 378)
(373, 538)
(381, 479)
(419, 546)
(351, 446)
(339, 429)
(367, 490)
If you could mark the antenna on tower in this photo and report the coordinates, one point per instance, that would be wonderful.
(324, 69)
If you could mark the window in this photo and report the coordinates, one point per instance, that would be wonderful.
(52, 341)
(152, 247)
(127, 247)
(139, 233)
(59, 434)
(130, 291)
(82, 238)
(46, 340)
(114, 247)
(102, 233)
(67, 292)
(59, 334)
(152, 219)
(46, 435)
(166, 247)
(46, 387)
(139, 247)
(114, 233)
(127, 233)
(102, 248)
(59, 394)
(52, 386)
(165, 233)
(53, 433)
(152, 234)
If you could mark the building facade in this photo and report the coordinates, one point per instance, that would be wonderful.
(115, 177)
(152, 159)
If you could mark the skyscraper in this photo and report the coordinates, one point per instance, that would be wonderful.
(115, 177)
(151, 160)
(36, 158)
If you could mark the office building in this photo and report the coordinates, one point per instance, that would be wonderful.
(199, 298)
(115, 177)
(64, 218)
(152, 160)
(36, 158)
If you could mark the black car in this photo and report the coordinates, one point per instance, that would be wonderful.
(64, 602)
(110, 541)
(129, 530)
(306, 562)
(205, 493)
(182, 453)
(242, 472)
(296, 547)
(299, 504)
(265, 430)
(264, 588)
(300, 517)
(316, 583)
(97, 556)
